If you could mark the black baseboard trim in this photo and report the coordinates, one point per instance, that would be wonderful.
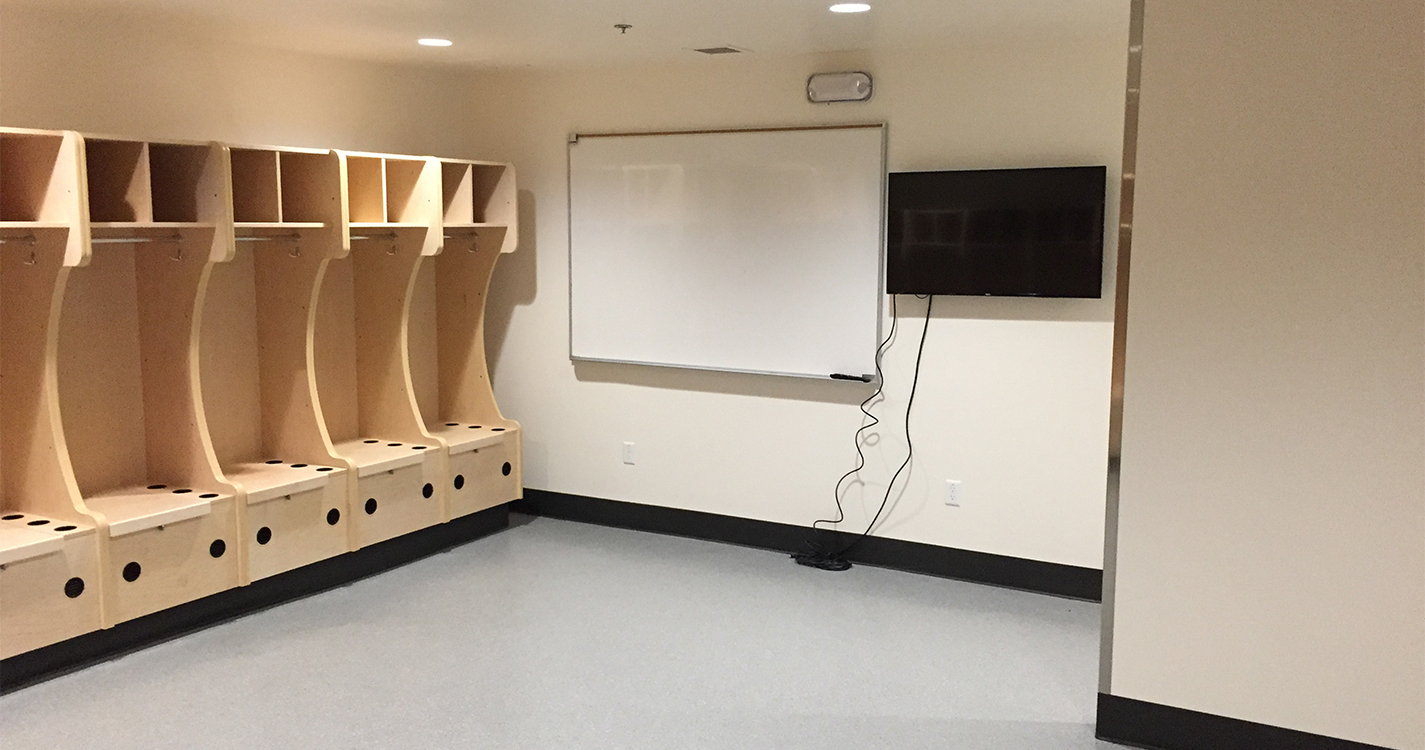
(1149, 725)
(51, 661)
(978, 567)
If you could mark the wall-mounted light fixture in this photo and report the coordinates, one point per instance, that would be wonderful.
(839, 87)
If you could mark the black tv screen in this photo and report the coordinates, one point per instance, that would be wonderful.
(1001, 232)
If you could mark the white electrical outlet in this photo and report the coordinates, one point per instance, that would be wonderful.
(952, 493)
(628, 453)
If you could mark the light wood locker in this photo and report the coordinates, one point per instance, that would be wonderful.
(391, 205)
(50, 581)
(447, 337)
(129, 390)
(258, 385)
(221, 363)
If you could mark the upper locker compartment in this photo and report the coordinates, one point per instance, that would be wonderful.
(50, 580)
(42, 192)
(258, 391)
(447, 337)
(128, 392)
(363, 385)
(479, 200)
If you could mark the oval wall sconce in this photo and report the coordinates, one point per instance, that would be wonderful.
(839, 87)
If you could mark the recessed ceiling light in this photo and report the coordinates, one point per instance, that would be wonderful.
(850, 8)
(434, 42)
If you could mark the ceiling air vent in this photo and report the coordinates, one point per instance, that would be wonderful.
(718, 50)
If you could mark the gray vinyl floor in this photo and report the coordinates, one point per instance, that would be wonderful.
(561, 635)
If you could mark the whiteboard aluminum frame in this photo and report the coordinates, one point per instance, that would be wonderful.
(881, 255)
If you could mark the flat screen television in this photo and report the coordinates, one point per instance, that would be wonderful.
(998, 232)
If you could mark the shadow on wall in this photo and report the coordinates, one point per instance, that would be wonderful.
(1046, 309)
(514, 283)
(730, 383)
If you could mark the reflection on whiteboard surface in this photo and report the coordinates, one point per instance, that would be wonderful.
(744, 251)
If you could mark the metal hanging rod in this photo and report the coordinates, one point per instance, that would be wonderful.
(293, 237)
(136, 240)
(28, 239)
(387, 236)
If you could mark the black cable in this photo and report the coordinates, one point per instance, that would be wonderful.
(817, 557)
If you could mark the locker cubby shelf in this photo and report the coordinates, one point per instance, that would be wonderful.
(137, 182)
(144, 189)
(118, 180)
(31, 186)
(41, 189)
(479, 195)
(257, 194)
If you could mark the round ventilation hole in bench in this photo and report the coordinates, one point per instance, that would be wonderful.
(506, 469)
(370, 506)
(459, 481)
(132, 572)
(217, 548)
(264, 535)
(333, 516)
(65, 527)
(74, 587)
(428, 490)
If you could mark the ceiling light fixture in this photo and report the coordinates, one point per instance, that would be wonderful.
(434, 42)
(850, 8)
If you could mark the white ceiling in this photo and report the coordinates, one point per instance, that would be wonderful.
(508, 33)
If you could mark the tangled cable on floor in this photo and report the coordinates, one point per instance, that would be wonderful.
(820, 555)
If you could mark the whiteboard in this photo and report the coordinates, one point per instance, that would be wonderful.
(746, 251)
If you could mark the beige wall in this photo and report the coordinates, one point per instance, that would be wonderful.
(1271, 545)
(1014, 393)
(155, 76)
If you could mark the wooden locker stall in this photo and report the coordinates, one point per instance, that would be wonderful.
(258, 386)
(221, 363)
(129, 393)
(365, 396)
(447, 337)
(50, 581)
